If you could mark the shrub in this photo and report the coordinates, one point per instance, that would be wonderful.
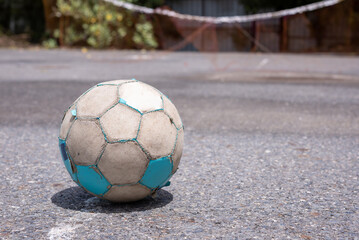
(100, 24)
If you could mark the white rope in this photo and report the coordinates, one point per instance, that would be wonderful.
(231, 19)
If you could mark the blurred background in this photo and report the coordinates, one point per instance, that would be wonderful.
(101, 24)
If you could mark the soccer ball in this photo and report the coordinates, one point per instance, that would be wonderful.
(121, 140)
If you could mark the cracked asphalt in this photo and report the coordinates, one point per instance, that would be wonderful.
(271, 146)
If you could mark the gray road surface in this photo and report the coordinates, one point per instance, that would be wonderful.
(271, 147)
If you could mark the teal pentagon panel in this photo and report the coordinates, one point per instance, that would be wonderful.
(157, 173)
(92, 180)
(167, 182)
(65, 158)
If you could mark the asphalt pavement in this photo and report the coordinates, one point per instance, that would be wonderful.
(271, 146)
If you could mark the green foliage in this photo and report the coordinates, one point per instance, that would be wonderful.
(254, 6)
(49, 43)
(99, 25)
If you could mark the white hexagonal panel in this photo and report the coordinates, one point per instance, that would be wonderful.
(85, 142)
(116, 82)
(94, 103)
(127, 193)
(171, 110)
(177, 153)
(67, 122)
(123, 163)
(120, 123)
(157, 134)
(140, 96)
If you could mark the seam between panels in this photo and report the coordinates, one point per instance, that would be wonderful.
(139, 128)
(144, 150)
(101, 153)
(103, 131)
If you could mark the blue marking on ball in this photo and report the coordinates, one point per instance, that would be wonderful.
(123, 101)
(157, 173)
(92, 180)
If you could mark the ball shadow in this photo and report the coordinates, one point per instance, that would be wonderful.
(75, 198)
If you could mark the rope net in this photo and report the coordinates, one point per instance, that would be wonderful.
(330, 25)
(229, 19)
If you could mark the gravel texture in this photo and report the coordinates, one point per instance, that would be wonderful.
(270, 152)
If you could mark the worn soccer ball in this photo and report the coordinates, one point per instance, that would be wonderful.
(121, 140)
